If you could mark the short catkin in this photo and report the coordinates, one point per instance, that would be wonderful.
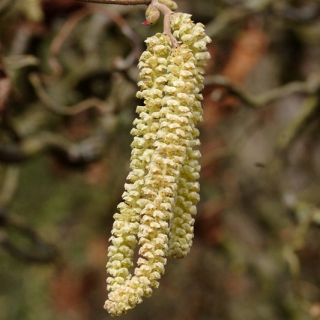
(156, 216)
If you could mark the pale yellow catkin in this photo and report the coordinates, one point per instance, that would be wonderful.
(159, 202)
(194, 38)
(143, 194)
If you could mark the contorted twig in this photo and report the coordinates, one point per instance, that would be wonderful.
(122, 2)
(76, 109)
(74, 20)
(310, 86)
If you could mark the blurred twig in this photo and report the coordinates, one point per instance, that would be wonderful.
(36, 251)
(9, 185)
(296, 127)
(73, 21)
(310, 86)
(84, 152)
(223, 21)
(233, 148)
(306, 214)
(122, 2)
(69, 111)
(305, 13)
(5, 6)
(5, 88)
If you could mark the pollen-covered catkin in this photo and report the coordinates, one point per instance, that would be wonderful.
(126, 224)
(191, 65)
(159, 203)
(147, 199)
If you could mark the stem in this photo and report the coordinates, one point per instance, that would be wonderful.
(123, 2)
(310, 86)
(162, 8)
(166, 21)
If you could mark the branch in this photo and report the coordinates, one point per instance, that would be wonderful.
(36, 251)
(10, 184)
(307, 114)
(5, 6)
(305, 212)
(222, 22)
(71, 23)
(72, 154)
(166, 22)
(310, 86)
(303, 14)
(70, 111)
(233, 148)
(122, 2)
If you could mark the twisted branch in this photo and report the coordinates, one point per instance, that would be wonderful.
(310, 86)
(122, 2)
(73, 154)
(40, 251)
(307, 114)
(70, 111)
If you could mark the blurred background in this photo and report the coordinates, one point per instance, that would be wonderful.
(68, 74)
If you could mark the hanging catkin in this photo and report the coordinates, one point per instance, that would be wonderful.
(159, 203)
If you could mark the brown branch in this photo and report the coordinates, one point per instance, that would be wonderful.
(122, 2)
(5, 6)
(36, 250)
(222, 22)
(233, 148)
(69, 111)
(310, 86)
(301, 14)
(72, 154)
(307, 114)
(10, 184)
(71, 23)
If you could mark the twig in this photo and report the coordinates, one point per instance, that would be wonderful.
(224, 20)
(74, 20)
(166, 22)
(84, 152)
(37, 251)
(228, 151)
(295, 128)
(61, 37)
(310, 86)
(162, 8)
(9, 186)
(65, 111)
(303, 14)
(5, 6)
(5, 89)
(122, 2)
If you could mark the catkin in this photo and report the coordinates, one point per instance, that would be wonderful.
(191, 35)
(156, 216)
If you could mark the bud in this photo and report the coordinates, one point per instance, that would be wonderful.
(170, 4)
(152, 16)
